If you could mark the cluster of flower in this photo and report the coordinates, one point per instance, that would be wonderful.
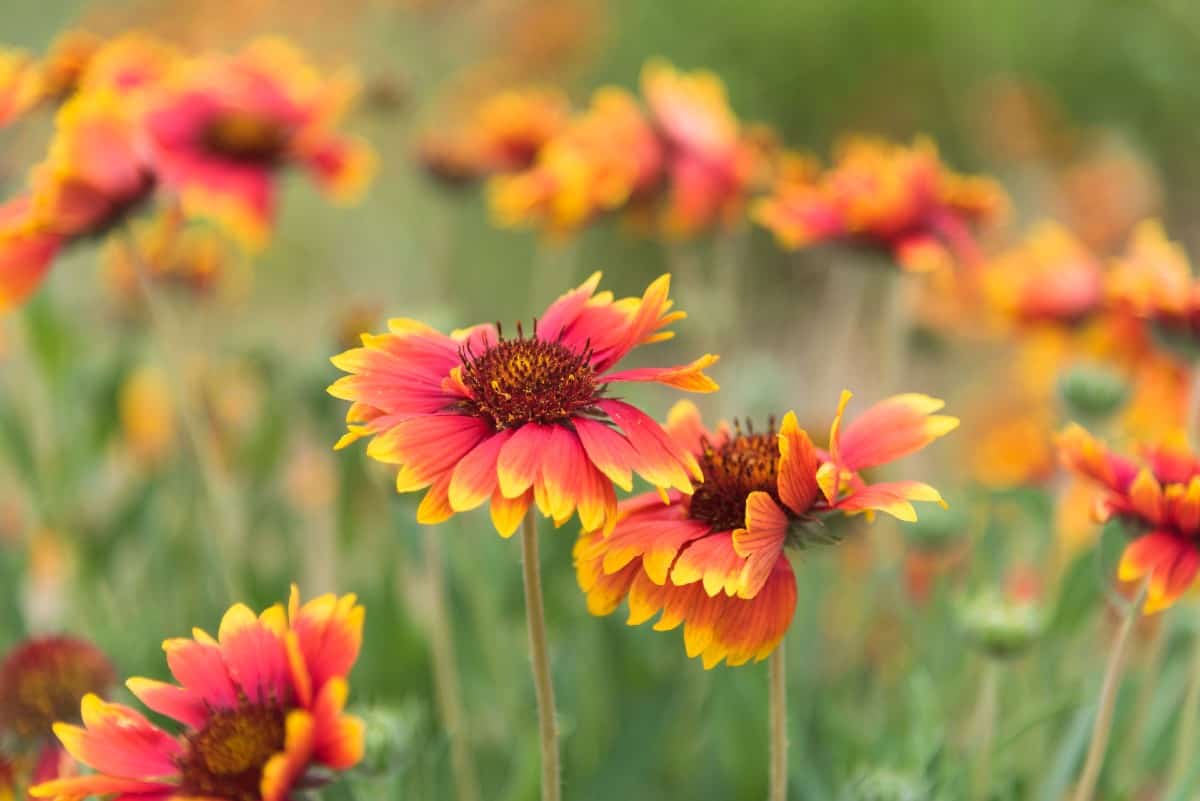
(138, 121)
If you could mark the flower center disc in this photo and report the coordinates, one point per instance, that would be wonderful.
(225, 759)
(518, 381)
(245, 137)
(745, 464)
(43, 683)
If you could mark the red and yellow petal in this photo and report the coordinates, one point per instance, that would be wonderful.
(760, 543)
(339, 740)
(254, 652)
(798, 464)
(688, 377)
(893, 498)
(507, 513)
(282, 770)
(1146, 496)
(891, 429)
(329, 629)
(711, 560)
(117, 741)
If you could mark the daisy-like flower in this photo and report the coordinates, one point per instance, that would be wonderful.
(1158, 497)
(716, 561)
(504, 134)
(261, 707)
(1154, 283)
(899, 198)
(708, 162)
(607, 158)
(475, 416)
(1051, 277)
(221, 127)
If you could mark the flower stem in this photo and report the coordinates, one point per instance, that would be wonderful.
(1185, 743)
(539, 656)
(445, 671)
(985, 732)
(1086, 789)
(219, 493)
(777, 699)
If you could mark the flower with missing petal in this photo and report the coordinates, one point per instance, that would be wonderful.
(261, 709)
(899, 198)
(716, 561)
(478, 417)
(1158, 497)
(222, 127)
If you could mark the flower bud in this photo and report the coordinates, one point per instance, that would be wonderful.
(1092, 393)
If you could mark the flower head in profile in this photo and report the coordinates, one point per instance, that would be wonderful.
(503, 134)
(260, 706)
(95, 174)
(901, 198)
(1050, 277)
(607, 157)
(1154, 283)
(716, 561)
(476, 416)
(221, 127)
(1157, 497)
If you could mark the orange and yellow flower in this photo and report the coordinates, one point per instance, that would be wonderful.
(20, 84)
(900, 198)
(261, 706)
(1159, 497)
(504, 134)
(222, 126)
(715, 561)
(1050, 277)
(1154, 282)
(477, 417)
(606, 158)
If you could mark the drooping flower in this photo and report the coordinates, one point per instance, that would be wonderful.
(261, 708)
(222, 127)
(503, 134)
(608, 157)
(1051, 277)
(1157, 497)
(716, 561)
(475, 416)
(899, 198)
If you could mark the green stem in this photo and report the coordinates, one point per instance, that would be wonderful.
(777, 700)
(985, 721)
(219, 492)
(1185, 743)
(539, 656)
(447, 685)
(1102, 728)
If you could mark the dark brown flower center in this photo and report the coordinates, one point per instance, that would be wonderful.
(43, 682)
(226, 758)
(518, 381)
(244, 136)
(747, 463)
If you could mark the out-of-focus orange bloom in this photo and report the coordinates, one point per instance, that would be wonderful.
(1050, 277)
(901, 198)
(1010, 447)
(1154, 282)
(20, 84)
(1018, 120)
(504, 134)
(708, 163)
(605, 159)
(26, 253)
(1158, 497)
(170, 252)
(129, 64)
(223, 126)
(147, 414)
(66, 63)
(1105, 192)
